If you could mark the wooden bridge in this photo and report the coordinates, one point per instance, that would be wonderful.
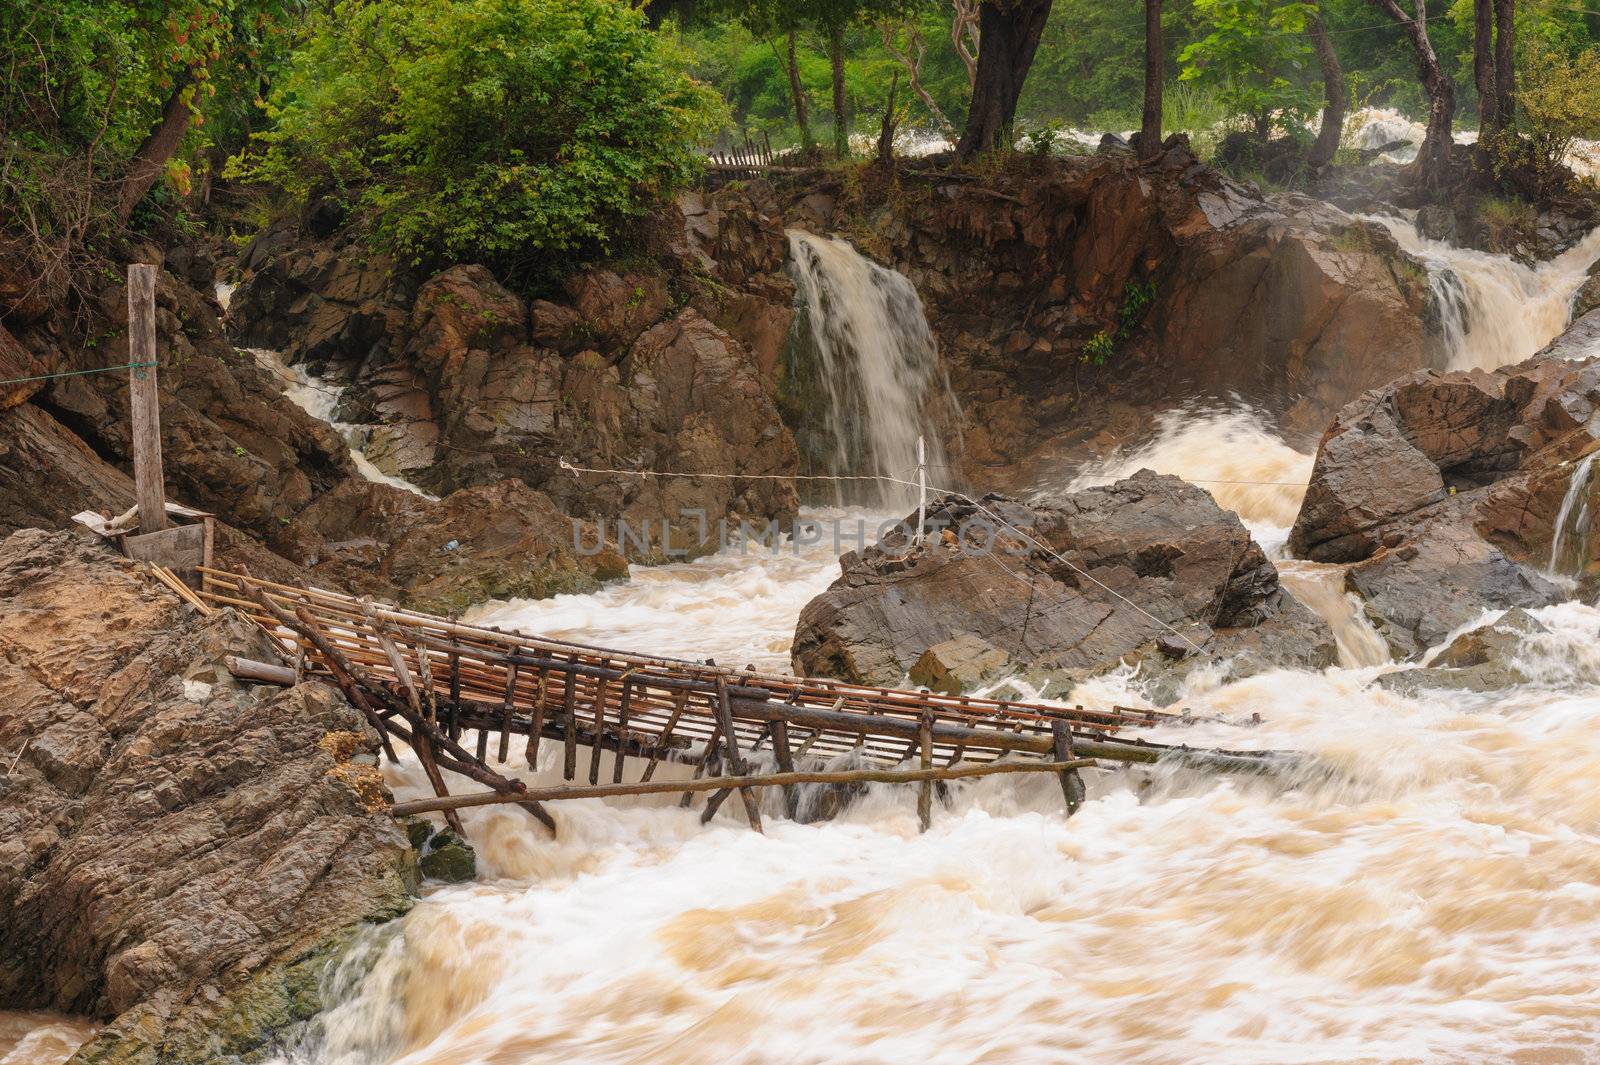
(439, 685)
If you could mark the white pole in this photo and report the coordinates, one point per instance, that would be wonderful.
(922, 485)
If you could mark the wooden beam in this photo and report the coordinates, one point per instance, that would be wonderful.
(144, 401)
(774, 780)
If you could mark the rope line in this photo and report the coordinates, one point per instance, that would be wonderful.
(1047, 549)
(76, 373)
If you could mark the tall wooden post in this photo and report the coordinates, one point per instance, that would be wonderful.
(143, 400)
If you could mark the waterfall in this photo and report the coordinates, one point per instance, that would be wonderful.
(863, 357)
(1569, 541)
(1495, 310)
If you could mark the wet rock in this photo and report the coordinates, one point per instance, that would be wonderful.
(1481, 660)
(448, 858)
(1436, 221)
(669, 364)
(958, 665)
(1443, 489)
(1140, 555)
(497, 541)
(182, 854)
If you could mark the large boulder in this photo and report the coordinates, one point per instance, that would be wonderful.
(496, 541)
(668, 363)
(1149, 568)
(1444, 491)
(181, 856)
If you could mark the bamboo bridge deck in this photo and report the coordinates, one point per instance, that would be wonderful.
(436, 683)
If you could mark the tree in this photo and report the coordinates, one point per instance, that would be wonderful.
(964, 36)
(769, 20)
(1150, 127)
(797, 90)
(506, 132)
(1008, 36)
(1505, 51)
(1335, 97)
(1432, 169)
(1247, 56)
(1483, 71)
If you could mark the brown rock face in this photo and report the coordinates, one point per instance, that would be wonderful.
(1146, 553)
(1198, 284)
(491, 542)
(670, 365)
(182, 855)
(1444, 490)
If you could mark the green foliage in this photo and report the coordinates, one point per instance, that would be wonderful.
(1255, 53)
(1137, 298)
(1098, 349)
(495, 131)
(1558, 101)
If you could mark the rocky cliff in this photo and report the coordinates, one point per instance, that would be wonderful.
(1073, 295)
(665, 363)
(1148, 569)
(182, 855)
(1444, 490)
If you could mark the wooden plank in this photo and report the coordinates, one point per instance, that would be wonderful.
(178, 547)
(536, 727)
(261, 672)
(622, 729)
(569, 763)
(144, 400)
(599, 731)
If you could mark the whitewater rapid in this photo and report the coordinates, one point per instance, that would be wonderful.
(1434, 899)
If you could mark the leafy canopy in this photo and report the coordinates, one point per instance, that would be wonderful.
(1254, 53)
(494, 131)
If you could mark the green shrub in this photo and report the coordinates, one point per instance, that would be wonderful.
(497, 131)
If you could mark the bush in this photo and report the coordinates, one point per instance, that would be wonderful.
(1558, 102)
(494, 131)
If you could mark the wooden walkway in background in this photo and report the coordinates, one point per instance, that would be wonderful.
(459, 694)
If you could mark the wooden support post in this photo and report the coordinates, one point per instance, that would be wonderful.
(536, 727)
(569, 763)
(925, 794)
(679, 698)
(599, 730)
(736, 764)
(622, 730)
(455, 690)
(1072, 787)
(506, 707)
(707, 759)
(144, 401)
(782, 752)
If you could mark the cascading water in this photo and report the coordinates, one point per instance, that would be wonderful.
(1495, 310)
(876, 365)
(1570, 542)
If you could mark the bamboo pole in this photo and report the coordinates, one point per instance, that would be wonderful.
(668, 787)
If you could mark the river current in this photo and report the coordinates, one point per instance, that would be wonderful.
(1431, 894)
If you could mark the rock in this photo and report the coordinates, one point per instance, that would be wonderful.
(449, 858)
(1481, 660)
(499, 541)
(1436, 221)
(958, 665)
(1141, 555)
(183, 855)
(669, 364)
(1443, 490)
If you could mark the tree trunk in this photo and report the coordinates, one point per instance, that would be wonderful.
(964, 35)
(841, 126)
(886, 131)
(1335, 96)
(1505, 60)
(1009, 31)
(1150, 128)
(150, 161)
(1431, 171)
(798, 91)
(1483, 70)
